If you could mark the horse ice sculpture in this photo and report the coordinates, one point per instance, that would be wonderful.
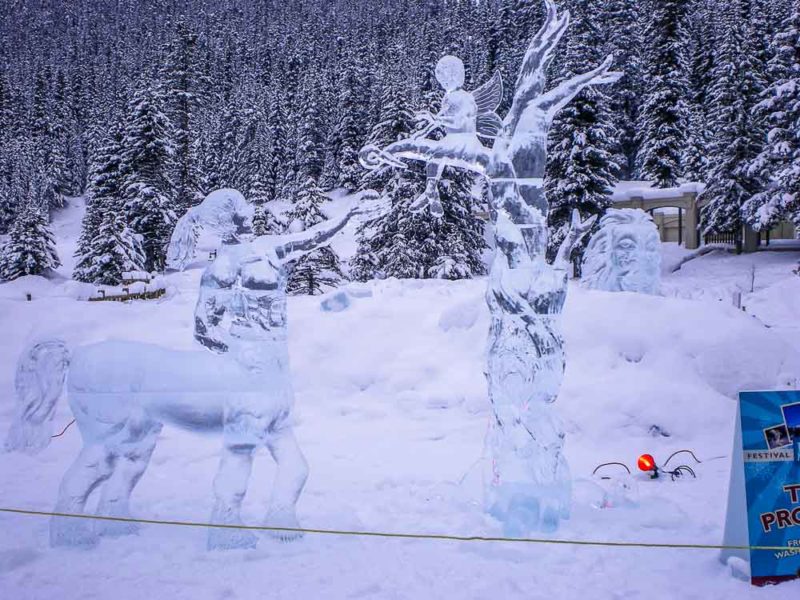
(122, 393)
(529, 485)
(625, 254)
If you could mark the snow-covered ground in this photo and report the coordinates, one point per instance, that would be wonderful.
(391, 411)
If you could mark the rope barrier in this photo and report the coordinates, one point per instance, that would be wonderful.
(63, 431)
(393, 535)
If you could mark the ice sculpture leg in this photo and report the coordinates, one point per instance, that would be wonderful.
(430, 197)
(530, 488)
(92, 467)
(130, 462)
(230, 486)
(289, 482)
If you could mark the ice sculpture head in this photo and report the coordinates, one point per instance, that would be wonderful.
(221, 218)
(242, 302)
(625, 254)
(450, 73)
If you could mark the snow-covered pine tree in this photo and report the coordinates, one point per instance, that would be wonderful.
(107, 247)
(699, 58)
(778, 164)
(262, 189)
(146, 165)
(315, 272)
(274, 173)
(58, 177)
(78, 152)
(306, 211)
(348, 133)
(736, 131)
(320, 267)
(664, 115)
(621, 36)
(462, 239)
(184, 88)
(310, 148)
(264, 222)
(395, 121)
(581, 165)
(31, 247)
(7, 121)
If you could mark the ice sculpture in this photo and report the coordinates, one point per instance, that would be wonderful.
(464, 116)
(529, 486)
(122, 393)
(219, 219)
(625, 254)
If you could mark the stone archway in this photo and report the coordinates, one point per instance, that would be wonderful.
(685, 200)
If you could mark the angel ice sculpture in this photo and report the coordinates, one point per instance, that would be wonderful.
(122, 393)
(528, 486)
(464, 116)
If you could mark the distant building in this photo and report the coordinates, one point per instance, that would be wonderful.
(676, 212)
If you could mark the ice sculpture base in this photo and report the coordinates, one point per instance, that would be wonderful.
(524, 507)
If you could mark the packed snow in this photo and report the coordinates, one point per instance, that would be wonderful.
(391, 412)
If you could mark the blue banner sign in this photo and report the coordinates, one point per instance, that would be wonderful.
(770, 423)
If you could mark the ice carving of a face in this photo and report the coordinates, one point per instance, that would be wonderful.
(625, 254)
(450, 73)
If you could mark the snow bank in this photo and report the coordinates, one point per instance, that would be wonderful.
(392, 409)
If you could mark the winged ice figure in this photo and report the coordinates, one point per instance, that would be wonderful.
(465, 116)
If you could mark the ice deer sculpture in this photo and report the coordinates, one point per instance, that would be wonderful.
(122, 393)
(528, 486)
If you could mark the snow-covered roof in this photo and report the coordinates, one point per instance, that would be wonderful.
(625, 190)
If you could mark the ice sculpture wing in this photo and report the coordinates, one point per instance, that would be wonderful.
(489, 95)
(488, 98)
(488, 125)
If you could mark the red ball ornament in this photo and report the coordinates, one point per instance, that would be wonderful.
(646, 463)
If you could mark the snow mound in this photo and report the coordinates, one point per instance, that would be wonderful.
(635, 362)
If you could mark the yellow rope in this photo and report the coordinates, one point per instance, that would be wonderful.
(383, 534)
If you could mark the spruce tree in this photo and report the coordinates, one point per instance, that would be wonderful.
(184, 88)
(320, 267)
(315, 272)
(31, 247)
(275, 171)
(664, 112)
(107, 247)
(264, 222)
(348, 134)
(310, 149)
(410, 244)
(395, 121)
(146, 164)
(699, 60)
(778, 164)
(621, 36)
(736, 140)
(306, 211)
